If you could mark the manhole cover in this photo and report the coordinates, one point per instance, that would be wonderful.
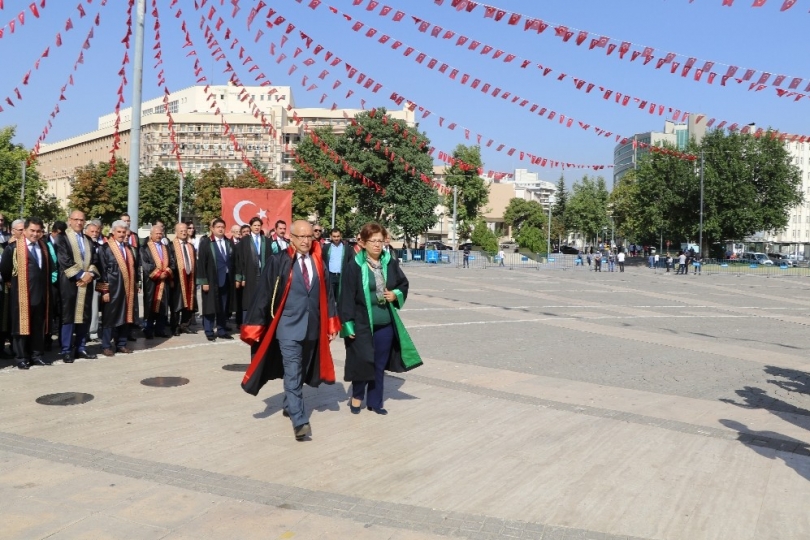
(165, 382)
(65, 398)
(236, 367)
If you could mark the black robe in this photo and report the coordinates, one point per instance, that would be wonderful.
(77, 302)
(247, 266)
(354, 314)
(122, 286)
(207, 275)
(152, 285)
(259, 327)
(36, 317)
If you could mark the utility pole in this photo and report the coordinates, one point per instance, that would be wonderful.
(702, 167)
(455, 216)
(22, 190)
(334, 200)
(135, 128)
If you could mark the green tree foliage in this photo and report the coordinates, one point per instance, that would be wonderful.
(408, 204)
(473, 192)
(207, 198)
(37, 203)
(586, 209)
(560, 202)
(622, 201)
(750, 185)
(529, 223)
(159, 197)
(98, 195)
(311, 198)
(482, 236)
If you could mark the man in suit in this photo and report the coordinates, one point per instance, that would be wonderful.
(236, 236)
(118, 285)
(93, 231)
(336, 253)
(26, 266)
(295, 347)
(278, 242)
(252, 254)
(215, 266)
(184, 297)
(157, 263)
(77, 261)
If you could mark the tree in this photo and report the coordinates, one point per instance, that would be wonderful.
(750, 185)
(561, 201)
(529, 224)
(473, 192)
(622, 201)
(37, 203)
(159, 197)
(482, 236)
(586, 209)
(98, 195)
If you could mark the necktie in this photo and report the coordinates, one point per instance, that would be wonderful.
(186, 258)
(222, 249)
(123, 251)
(35, 253)
(159, 250)
(258, 251)
(80, 240)
(305, 272)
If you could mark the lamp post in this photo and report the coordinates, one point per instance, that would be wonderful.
(551, 200)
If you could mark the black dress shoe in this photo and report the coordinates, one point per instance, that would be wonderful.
(149, 335)
(302, 432)
(86, 355)
(285, 412)
(67, 358)
(177, 332)
(355, 410)
(378, 411)
(226, 336)
(22, 365)
(40, 362)
(211, 338)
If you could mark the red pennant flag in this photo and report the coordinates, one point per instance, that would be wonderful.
(68, 24)
(81, 11)
(795, 83)
(787, 5)
(514, 18)
(779, 80)
(398, 16)
(33, 8)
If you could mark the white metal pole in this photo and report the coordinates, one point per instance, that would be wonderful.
(135, 129)
(22, 190)
(455, 217)
(334, 200)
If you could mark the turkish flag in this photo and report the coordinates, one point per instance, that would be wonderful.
(271, 205)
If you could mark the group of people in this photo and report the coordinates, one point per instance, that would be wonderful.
(610, 258)
(291, 296)
(308, 295)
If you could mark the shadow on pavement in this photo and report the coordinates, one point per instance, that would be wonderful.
(792, 451)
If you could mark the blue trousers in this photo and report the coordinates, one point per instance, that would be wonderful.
(120, 333)
(383, 340)
(296, 357)
(66, 335)
(221, 318)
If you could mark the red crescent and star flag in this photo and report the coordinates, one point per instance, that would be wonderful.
(271, 205)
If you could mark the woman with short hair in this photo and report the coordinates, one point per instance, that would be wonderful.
(373, 290)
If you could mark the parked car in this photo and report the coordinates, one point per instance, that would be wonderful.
(435, 246)
(756, 258)
(779, 258)
(567, 250)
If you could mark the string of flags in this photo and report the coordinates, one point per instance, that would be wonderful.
(11, 26)
(122, 74)
(754, 77)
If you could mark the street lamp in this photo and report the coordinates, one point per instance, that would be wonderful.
(551, 200)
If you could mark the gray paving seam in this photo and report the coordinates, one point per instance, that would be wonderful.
(330, 505)
(783, 445)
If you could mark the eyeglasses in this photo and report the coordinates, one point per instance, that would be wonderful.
(310, 237)
(318, 230)
(374, 241)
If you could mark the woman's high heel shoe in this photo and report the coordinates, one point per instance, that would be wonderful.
(378, 411)
(355, 410)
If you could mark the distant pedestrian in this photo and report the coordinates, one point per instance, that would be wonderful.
(696, 264)
(466, 256)
(611, 261)
(588, 257)
(681, 263)
(620, 259)
(650, 261)
(668, 262)
(656, 260)
(597, 262)
(501, 256)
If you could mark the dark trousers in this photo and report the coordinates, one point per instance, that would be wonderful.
(155, 322)
(66, 335)
(334, 279)
(296, 357)
(33, 345)
(621, 267)
(383, 339)
(239, 306)
(181, 319)
(211, 321)
(118, 332)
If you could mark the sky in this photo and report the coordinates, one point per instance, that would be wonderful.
(761, 38)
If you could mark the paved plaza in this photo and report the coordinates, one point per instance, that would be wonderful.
(552, 405)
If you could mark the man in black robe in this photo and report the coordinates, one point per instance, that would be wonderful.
(184, 297)
(26, 267)
(77, 269)
(157, 263)
(55, 325)
(215, 267)
(289, 326)
(253, 252)
(118, 286)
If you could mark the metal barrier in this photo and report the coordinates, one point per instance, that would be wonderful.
(737, 267)
(484, 259)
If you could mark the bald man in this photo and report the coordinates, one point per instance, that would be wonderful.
(292, 342)
(159, 267)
